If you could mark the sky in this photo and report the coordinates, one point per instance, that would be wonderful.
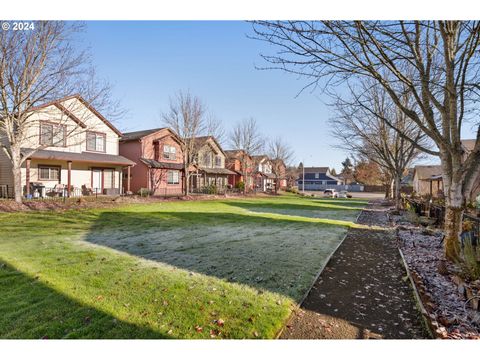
(147, 62)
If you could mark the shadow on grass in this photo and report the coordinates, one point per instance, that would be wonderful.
(32, 310)
(314, 205)
(274, 252)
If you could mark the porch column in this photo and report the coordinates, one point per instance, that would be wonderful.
(69, 177)
(431, 188)
(27, 176)
(128, 179)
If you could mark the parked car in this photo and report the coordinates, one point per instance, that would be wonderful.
(344, 194)
(330, 193)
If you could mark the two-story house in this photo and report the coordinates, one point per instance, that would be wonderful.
(72, 150)
(159, 158)
(209, 164)
(243, 166)
(264, 176)
(317, 178)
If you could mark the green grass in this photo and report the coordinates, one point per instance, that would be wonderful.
(167, 269)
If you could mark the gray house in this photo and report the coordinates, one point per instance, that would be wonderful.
(318, 178)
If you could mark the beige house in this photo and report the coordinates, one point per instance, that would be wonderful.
(71, 150)
(427, 180)
(209, 165)
(264, 176)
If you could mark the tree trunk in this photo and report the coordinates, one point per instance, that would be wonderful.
(187, 180)
(398, 202)
(453, 228)
(17, 175)
(17, 183)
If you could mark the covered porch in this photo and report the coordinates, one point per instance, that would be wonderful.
(49, 174)
(202, 178)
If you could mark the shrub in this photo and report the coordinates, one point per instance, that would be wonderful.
(144, 192)
(240, 185)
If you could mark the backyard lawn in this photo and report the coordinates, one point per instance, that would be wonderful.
(228, 268)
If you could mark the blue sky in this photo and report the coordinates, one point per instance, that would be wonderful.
(149, 61)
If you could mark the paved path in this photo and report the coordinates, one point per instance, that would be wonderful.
(362, 292)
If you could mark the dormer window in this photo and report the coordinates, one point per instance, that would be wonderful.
(96, 141)
(52, 134)
(169, 152)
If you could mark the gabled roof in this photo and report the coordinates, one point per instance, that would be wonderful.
(426, 172)
(468, 144)
(316, 169)
(58, 103)
(161, 165)
(202, 140)
(135, 135)
(259, 158)
(234, 154)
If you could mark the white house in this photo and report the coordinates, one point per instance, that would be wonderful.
(73, 151)
(264, 177)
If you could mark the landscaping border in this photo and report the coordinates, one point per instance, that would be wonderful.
(430, 324)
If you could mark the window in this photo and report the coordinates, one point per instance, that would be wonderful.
(317, 175)
(218, 161)
(51, 173)
(207, 160)
(52, 134)
(95, 141)
(173, 177)
(169, 152)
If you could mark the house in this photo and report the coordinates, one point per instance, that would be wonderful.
(280, 171)
(317, 178)
(264, 177)
(209, 165)
(427, 180)
(241, 163)
(72, 150)
(159, 158)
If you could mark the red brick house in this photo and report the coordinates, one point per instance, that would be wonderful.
(159, 159)
(234, 162)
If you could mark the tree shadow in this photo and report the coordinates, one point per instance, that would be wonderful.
(278, 255)
(33, 310)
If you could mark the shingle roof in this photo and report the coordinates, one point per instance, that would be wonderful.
(316, 169)
(85, 157)
(135, 135)
(425, 172)
(221, 171)
(161, 165)
(469, 144)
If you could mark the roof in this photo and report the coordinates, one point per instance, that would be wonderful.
(469, 144)
(259, 157)
(426, 172)
(202, 140)
(161, 165)
(316, 169)
(135, 135)
(85, 157)
(58, 104)
(268, 176)
(236, 153)
(221, 171)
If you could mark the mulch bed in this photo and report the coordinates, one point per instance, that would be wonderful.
(445, 294)
(363, 292)
(103, 202)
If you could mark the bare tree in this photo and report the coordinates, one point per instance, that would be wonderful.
(280, 154)
(186, 117)
(436, 61)
(246, 136)
(40, 67)
(361, 126)
(215, 128)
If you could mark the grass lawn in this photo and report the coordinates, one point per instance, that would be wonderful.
(228, 268)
